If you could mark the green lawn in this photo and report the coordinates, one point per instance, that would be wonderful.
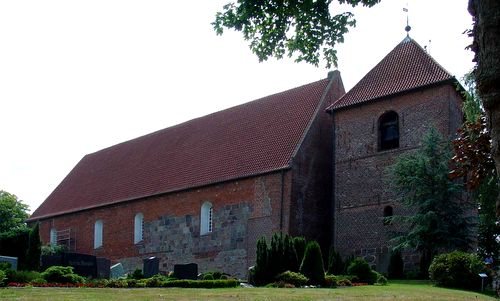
(393, 291)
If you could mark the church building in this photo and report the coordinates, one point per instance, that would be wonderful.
(308, 161)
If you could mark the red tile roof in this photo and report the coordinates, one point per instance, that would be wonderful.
(406, 67)
(249, 139)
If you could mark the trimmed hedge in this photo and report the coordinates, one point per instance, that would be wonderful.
(227, 283)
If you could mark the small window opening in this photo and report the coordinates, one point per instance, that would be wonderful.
(388, 212)
(389, 131)
(206, 217)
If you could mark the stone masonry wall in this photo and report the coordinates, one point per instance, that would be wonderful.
(361, 190)
(243, 211)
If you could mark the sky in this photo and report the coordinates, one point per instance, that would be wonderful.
(79, 76)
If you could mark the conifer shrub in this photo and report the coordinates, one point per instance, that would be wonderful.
(457, 270)
(261, 273)
(299, 243)
(361, 269)
(335, 263)
(312, 264)
(396, 266)
(60, 274)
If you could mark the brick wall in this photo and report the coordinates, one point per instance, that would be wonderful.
(172, 225)
(311, 199)
(361, 190)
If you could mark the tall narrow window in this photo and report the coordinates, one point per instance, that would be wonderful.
(388, 212)
(138, 227)
(206, 218)
(98, 234)
(53, 236)
(388, 131)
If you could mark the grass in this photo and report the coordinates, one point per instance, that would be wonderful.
(393, 291)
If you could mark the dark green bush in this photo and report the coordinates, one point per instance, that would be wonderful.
(294, 278)
(202, 283)
(361, 269)
(381, 280)
(117, 283)
(456, 269)
(335, 263)
(60, 274)
(3, 277)
(23, 276)
(396, 266)
(156, 281)
(312, 264)
(5, 266)
(213, 275)
(330, 280)
(137, 275)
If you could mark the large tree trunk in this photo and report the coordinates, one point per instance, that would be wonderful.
(486, 45)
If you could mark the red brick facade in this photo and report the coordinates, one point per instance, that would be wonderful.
(360, 189)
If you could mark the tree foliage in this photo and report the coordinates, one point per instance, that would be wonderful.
(473, 160)
(302, 28)
(486, 28)
(421, 182)
(13, 212)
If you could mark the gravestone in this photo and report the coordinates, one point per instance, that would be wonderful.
(50, 260)
(103, 267)
(186, 271)
(116, 271)
(11, 260)
(83, 264)
(151, 266)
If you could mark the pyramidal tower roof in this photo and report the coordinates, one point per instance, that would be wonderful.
(408, 66)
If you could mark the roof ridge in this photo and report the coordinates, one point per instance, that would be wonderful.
(183, 123)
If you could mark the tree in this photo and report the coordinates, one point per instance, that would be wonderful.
(13, 212)
(486, 33)
(275, 28)
(421, 182)
(473, 161)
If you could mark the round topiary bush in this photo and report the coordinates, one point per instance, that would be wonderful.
(457, 269)
(312, 264)
(361, 269)
(296, 279)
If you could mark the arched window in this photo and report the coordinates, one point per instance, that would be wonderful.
(98, 234)
(388, 128)
(206, 218)
(138, 227)
(53, 236)
(388, 211)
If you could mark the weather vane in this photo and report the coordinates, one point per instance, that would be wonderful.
(408, 27)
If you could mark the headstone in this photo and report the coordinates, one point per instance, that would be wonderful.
(83, 264)
(186, 271)
(151, 266)
(11, 260)
(50, 260)
(116, 271)
(103, 267)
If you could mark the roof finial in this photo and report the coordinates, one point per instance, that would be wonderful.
(408, 27)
